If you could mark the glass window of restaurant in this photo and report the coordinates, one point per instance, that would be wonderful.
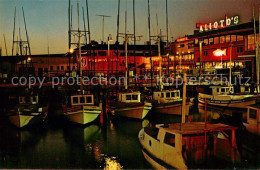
(222, 39)
(216, 40)
(227, 38)
(233, 38)
(211, 41)
(206, 41)
(250, 42)
(240, 38)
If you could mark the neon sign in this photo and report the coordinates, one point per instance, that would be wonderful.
(219, 24)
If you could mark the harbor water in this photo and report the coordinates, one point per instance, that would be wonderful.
(113, 144)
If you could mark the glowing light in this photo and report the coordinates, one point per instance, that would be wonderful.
(71, 50)
(219, 52)
(29, 59)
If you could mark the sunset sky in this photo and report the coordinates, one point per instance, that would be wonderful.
(47, 20)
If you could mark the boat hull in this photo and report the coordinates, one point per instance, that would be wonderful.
(83, 116)
(25, 120)
(172, 109)
(137, 112)
(232, 103)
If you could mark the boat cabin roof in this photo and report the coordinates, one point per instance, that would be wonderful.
(195, 128)
(254, 106)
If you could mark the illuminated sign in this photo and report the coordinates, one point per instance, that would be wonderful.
(218, 24)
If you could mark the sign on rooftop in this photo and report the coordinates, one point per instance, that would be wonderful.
(228, 21)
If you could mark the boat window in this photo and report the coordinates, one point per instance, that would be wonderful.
(162, 95)
(178, 94)
(223, 90)
(21, 99)
(169, 139)
(128, 97)
(172, 94)
(75, 100)
(168, 94)
(152, 131)
(252, 113)
(82, 99)
(89, 99)
(134, 97)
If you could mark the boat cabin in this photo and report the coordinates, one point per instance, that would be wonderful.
(175, 144)
(222, 90)
(253, 118)
(167, 95)
(77, 100)
(28, 99)
(130, 97)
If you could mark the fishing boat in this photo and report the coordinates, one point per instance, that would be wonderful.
(169, 102)
(129, 105)
(253, 119)
(82, 109)
(187, 145)
(224, 96)
(27, 112)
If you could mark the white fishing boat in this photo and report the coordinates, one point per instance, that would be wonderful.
(185, 145)
(82, 109)
(253, 119)
(224, 96)
(27, 112)
(169, 102)
(129, 105)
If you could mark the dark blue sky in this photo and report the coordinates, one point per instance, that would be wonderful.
(47, 19)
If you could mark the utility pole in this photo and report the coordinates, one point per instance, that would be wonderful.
(103, 25)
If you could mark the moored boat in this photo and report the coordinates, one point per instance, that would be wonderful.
(169, 102)
(129, 105)
(27, 112)
(224, 96)
(188, 144)
(82, 109)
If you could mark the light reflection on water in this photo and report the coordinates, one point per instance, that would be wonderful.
(111, 146)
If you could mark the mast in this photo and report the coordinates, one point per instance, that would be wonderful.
(84, 26)
(150, 47)
(183, 110)
(256, 51)
(117, 40)
(79, 46)
(126, 39)
(167, 32)
(160, 61)
(134, 41)
(69, 33)
(14, 32)
(5, 46)
(88, 22)
(27, 37)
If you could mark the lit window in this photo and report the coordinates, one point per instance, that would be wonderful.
(206, 41)
(211, 41)
(240, 38)
(222, 39)
(216, 40)
(227, 38)
(233, 38)
(250, 42)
